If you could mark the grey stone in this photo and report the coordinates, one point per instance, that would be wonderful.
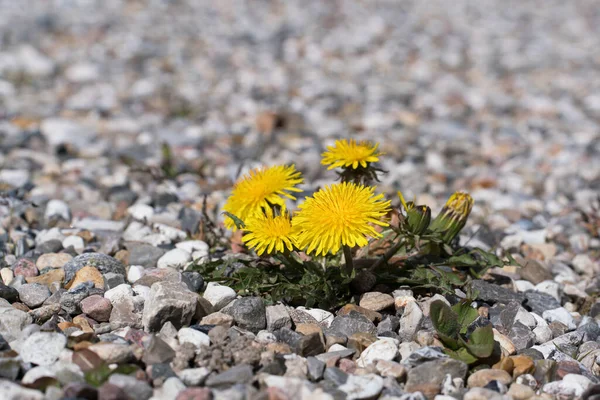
(539, 302)
(102, 262)
(491, 293)
(134, 388)
(315, 368)
(12, 322)
(277, 317)
(429, 375)
(248, 313)
(168, 301)
(349, 324)
(70, 301)
(335, 375)
(239, 374)
(33, 294)
(521, 336)
(591, 331)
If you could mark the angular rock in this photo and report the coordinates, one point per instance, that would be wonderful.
(410, 322)
(376, 301)
(168, 301)
(539, 302)
(347, 325)
(491, 293)
(8, 293)
(277, 317)
(240, 374)
(248, 313)
(144, 254)
(383, 349)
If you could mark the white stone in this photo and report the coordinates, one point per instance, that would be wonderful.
(82, 72)
(64, 372)
(14, 391)
(134, 273)
(383, 349)
(57, 208)
(549, 287)
(542, 331)
(93, 224)
(141, 211)
(265, 337)
(561, 315)
(525, 317)
(156, 239)
(119, 294)
(175, 258)
(193, 245)
(14, 177)
(407, 348)
(7, 275)
(218, 295)
(324, 318)
(410, 322)
(193, 376)
(336, 347)
(76, 241)
(49, 234)
(585, 265)
(33, 62)
(362, 386)
(141, 292)
(58, 131)
(43, 348)
(172, 233)
(169, 390)
(194, 337)
(136, 231)
(523, 285)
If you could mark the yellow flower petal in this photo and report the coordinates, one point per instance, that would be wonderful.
(350, 153)
(256, 191)
(340, 214)
(268, 233)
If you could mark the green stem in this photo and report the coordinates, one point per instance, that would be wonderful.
(349, 261)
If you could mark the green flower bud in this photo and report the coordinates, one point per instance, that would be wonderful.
(417, 218)
(453, 216)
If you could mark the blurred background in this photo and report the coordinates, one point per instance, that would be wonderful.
(500, 98)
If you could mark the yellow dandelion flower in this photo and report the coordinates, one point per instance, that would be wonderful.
(256, 191)
(269, 233)
(340, 214)
(350, 154)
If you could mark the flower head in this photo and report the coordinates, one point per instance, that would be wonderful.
(350, 154)
(269, 233)
(453, 216)
(258, 190)
(339, 214)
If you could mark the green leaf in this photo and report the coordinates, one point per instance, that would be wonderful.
(466, 315)
(238, 222)
(462, 354)
(463, 260)
(481, 341)
(445, 321)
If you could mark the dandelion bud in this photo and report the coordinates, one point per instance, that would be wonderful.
(453, 216)
(417, 218)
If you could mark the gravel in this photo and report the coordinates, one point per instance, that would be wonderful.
(98, 233)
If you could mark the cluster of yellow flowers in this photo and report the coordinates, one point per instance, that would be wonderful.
(341, 214)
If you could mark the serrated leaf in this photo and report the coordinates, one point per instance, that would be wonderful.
(466, 315)
(481, 341)
(238, 222)
(445, 321)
